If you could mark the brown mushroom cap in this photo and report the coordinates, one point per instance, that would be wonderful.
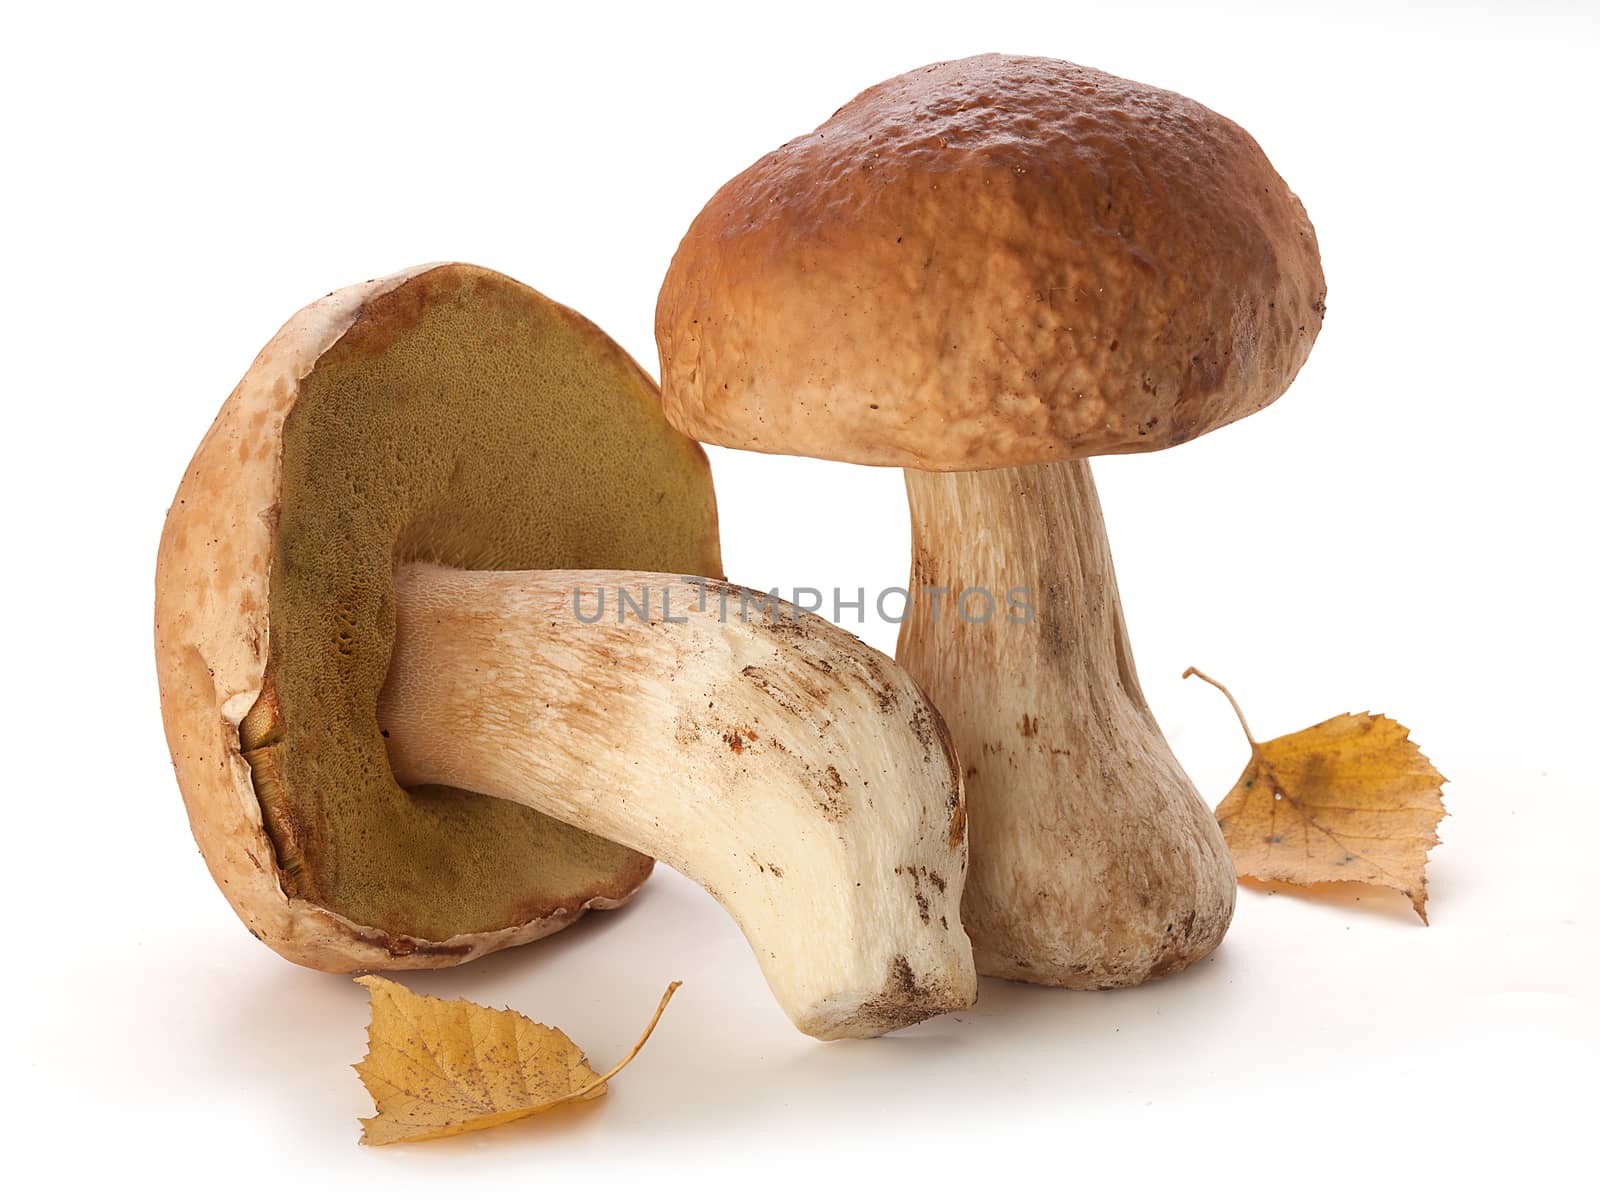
(448, 415)
(998, 261)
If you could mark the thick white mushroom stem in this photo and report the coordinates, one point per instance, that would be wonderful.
(1094, 861)
(795, 773)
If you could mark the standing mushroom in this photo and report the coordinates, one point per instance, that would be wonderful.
(398, 725)
(984, 272)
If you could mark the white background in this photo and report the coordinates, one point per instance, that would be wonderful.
(1411, 530)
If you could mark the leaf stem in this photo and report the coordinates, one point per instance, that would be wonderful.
(1237, 711)
(637, 1046)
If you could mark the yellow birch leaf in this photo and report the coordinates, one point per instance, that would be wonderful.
(436, 1068)
(1352, 800)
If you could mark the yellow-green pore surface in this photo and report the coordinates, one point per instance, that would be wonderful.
(467, 420)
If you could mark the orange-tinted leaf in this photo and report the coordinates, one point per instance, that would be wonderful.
(1352, 800)
(436, 1068)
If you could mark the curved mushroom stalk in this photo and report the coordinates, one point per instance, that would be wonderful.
(796, 774)
(1094, 861)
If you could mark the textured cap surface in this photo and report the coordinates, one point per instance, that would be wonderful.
(990, 262)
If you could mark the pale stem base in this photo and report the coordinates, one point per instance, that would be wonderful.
(795, 773)
(1094, 861)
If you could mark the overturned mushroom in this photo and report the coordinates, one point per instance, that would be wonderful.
(391, 548)
(985, 271)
